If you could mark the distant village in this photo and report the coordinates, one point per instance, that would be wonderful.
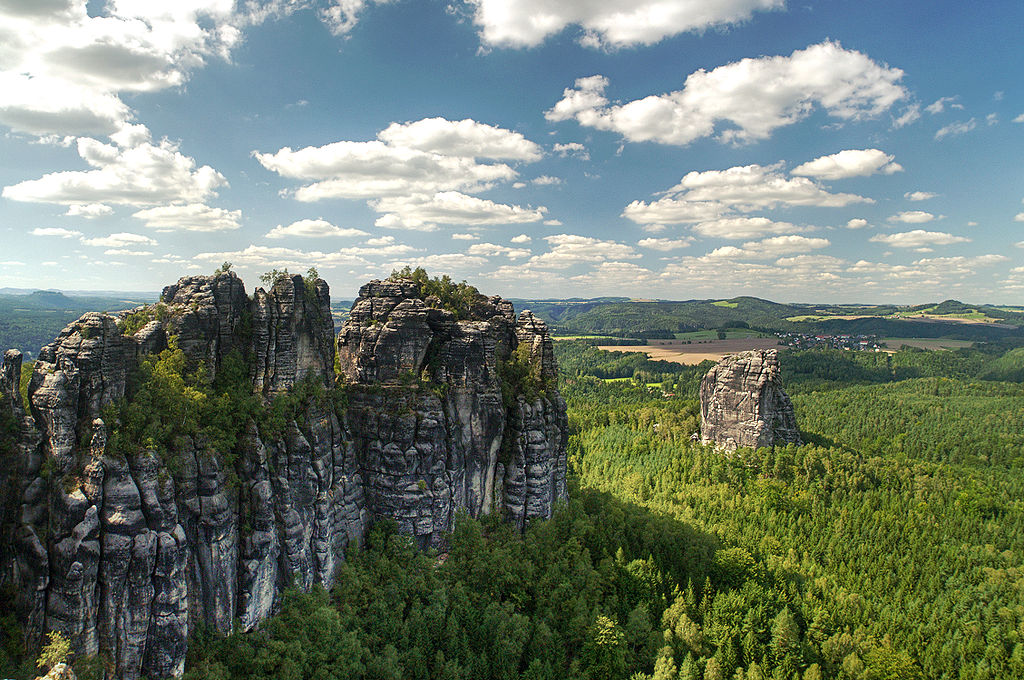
(865, 343)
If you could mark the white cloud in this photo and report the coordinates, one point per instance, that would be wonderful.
(318, 228)
(912, 217)
(55, 231)
(545, 180)
(857, 223)
(119, 240)
(445, 262)
(1019, 119)
(341, 16)
(416, 174)
(1019, 217)
(64, 70)
(610, 24)
(522, 238)
(919, 195)
(939, 105)
(141, 175)
(665, 244)
(373, 169)
(754, 96)
(189, 217)
(492, 250)
(465, 237)
(126, 252)
(424, 212)
(579, 151)
(954, 129)
(918, 239)
(466, 138)
(89, 211)
(713, 194)
(570, 249)
(776, 246)
(742, 227)
(380, 241)
(552, 223)
(849, 163)
(911, 114)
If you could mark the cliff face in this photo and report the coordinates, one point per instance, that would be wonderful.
(742, 403)
(125, 552)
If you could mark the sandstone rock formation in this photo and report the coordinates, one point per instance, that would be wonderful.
(125, 553)
(742, 403)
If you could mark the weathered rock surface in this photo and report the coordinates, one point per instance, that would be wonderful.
(126, 554)
(742, 403)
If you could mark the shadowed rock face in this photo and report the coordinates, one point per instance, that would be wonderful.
(125, 556)
(742, 403)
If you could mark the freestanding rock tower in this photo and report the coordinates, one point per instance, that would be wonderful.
(411, 414)
(742, 403)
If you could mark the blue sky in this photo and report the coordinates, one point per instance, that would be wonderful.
(817, 151)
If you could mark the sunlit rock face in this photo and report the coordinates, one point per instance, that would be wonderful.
(126, 556)
(742, 403)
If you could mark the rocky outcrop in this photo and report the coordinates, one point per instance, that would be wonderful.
(742, 403)
(125, 548)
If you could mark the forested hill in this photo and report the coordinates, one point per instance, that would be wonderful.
(660, 318)
(27, 322)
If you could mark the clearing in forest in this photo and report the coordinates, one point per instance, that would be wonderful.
(695, 352)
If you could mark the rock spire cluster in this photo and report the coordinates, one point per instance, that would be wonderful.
(431, 414)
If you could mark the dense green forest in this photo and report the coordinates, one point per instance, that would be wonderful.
(888, 546)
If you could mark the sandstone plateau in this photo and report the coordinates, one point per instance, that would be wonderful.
(125, 554)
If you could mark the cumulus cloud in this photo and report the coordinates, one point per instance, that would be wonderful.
(65, 67)
(577, 150)
(776, 246)
(919, 195)
(567, 250)
(857, 223)
(522, 238)
(417, 174)
(1019, 217)
(714, 194)
(742, 227)
(1019, 119)
(466, 138)
(341, 16)
(189, 217)
(89, 211)
(665, 244)
(918, 239)
(955, 129)
(55, 231)
(141, 175)
(940, 104)
(119, 240)
(317, 228)
(609, 24)
(465, 237)
(849, 163)
(424, 212)
(492, 250)
(912, 217)
(746, 100)
(546, 180)
(451, 262)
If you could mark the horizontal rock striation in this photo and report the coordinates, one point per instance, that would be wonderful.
(742, 403)
(126, 548)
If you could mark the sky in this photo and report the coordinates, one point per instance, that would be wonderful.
(815, 151)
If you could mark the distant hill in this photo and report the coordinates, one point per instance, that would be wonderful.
(29, 320)
(661, 319)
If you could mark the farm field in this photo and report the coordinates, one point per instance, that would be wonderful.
(696, 352)
(925, 343)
